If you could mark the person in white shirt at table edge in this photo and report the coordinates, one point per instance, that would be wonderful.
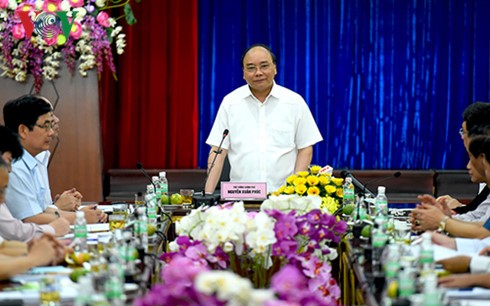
(271, 129)
(31, 118)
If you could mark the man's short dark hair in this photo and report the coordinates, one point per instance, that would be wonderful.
(477, 117)
(9, 142)
(479, 145)
(259, 45)
(24, 110)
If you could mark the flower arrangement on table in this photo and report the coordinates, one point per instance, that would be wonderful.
(316, 181)
(225, 255)
(36, 34)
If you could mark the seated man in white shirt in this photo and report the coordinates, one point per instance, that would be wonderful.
(11, 228)
(31, 118)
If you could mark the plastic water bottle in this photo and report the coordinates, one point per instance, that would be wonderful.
(141, 229)
(379, 238)
(349, 195)
(426, 255)
(151, 204)
(80, 231)
(163, 182)
(381, 201)
(431, 294)
(157, 187)
(114, 287)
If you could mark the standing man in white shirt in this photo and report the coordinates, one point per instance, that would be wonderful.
(271, 129)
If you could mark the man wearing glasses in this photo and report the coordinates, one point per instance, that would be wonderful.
(271, 129)
(31, 118)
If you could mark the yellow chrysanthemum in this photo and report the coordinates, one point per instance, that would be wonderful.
(324, 180)
(313, 190)
(312, 180)
(300, 189)
(289, 190)
(281, 189)
(340, 192)
(275, 193)
(299, 181)
(303, 173)
(337, 181)
(291, 179)
(330, 189)
(329, 204)
(315, 169)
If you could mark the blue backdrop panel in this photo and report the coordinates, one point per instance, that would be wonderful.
(387, 80)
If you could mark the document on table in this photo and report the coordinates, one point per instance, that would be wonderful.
(476, 293)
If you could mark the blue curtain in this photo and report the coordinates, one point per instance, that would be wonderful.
(386, 80)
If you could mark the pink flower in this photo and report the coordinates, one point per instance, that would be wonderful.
(53, 40)
(76, 3)
(51, 5)
(4, 4)
(18, 31)
(24, 7)
(103, 19)
(76, 30)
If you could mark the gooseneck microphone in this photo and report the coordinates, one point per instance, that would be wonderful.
(140, 166)
(362, 188)
(379, 180)
(218, 151)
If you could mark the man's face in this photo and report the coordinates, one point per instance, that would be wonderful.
(7, 157)
(4, 181)
(476, 170)
(39, 138)
(259, 70)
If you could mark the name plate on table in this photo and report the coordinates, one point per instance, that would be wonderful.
(236, 191)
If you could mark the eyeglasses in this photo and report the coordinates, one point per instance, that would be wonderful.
(47, 126)
(262, 67)
(461, 132)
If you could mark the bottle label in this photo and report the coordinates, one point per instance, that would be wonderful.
(80, 231)
(426, 256)
(379, 239)
(391, 269)
(406, 287)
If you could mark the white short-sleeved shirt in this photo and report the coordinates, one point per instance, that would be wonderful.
(26, 195)
(264, 138)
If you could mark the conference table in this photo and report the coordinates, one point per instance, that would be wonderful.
(23, 289)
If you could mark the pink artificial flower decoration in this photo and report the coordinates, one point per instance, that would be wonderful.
(76, 30)
(4, 4)
(103, 19)
(53, 40)
(24, 7)
(76, 3)
(51, 5)
(18, 31)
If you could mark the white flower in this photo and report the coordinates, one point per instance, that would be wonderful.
(173, 246)
(81, 12)
(261, 296)
(65, 6)
(39, 4)
(287, 203)
(100, 3)
(12, 4)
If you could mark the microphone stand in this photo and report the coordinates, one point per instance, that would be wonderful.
(204, 199)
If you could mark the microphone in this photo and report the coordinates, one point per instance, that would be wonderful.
(218, 151)
(208, 200)
(362, 188)
(140, 166)
(381, 179)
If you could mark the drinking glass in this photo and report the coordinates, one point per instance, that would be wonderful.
(402, 232)
(120, 209)
(186, 196)
(117, 221)
(49, 291)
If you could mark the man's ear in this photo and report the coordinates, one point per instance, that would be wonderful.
(23, 131)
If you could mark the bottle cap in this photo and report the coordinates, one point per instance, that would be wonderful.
(162, 174)
(150, 188)
(381, 189)
(79, 214)
(348, 179)
(155, 179)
